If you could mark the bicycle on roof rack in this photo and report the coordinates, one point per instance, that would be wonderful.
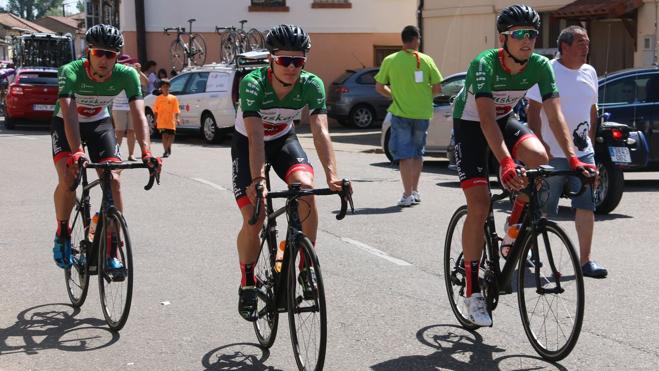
(234, 41)
(185, 54)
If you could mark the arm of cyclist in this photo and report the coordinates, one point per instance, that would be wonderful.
(487, 115)
(535, 123)
(552, 107)
(325, 149)
(254, 127)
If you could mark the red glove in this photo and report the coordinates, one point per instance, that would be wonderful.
(507, 170)
(575, 164)
(151, 161)
(73, 159)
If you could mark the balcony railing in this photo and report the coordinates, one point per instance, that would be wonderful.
(268, 3)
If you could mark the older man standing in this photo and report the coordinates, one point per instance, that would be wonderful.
(411, 79)
(577, 83)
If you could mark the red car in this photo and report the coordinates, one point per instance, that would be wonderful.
(31, 96)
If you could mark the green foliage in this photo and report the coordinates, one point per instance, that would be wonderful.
(34, 9)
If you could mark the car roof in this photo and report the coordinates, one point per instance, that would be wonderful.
(629, 71)
(459, 74)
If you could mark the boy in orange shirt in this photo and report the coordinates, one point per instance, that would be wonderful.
(166, 112)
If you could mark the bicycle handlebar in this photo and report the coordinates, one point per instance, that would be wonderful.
(545, 171)
(154, 174)
(345, 194)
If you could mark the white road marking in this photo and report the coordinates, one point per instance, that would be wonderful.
(19, 136)
(374, 251)
(209, 183)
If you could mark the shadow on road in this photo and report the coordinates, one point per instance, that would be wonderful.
(460, 349)
(237, 356)
(54, 326)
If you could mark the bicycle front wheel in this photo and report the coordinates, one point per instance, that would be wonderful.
(177, 56)
(454, 268)
(550, 292)
(197, 50)
(77, 276)
(115, 282)
(307, 314)
(265, 326)
(228, 46)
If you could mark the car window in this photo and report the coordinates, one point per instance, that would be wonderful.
(38, 78)
(197, 83)
(178, 83)
(367, 78)
(345, 76)
(450, 88)
(622, 91)
(218, 81)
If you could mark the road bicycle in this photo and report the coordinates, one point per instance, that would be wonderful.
(185, 54)
(92, 244)
(234, 41)
(550, 287)
(292, 282)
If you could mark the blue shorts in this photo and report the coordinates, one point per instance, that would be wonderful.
(408, 137)
(556, 184)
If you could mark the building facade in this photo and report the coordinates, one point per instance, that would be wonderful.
(344, 33)
(623, 33)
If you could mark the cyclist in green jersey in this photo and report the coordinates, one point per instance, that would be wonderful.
(86, 87)
(496, 80)
(270, 99)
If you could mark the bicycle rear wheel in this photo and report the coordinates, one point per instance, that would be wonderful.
(177, 57)
(454, 271)
(551, 292)
(307, 314)
(265, 326)
(255, 40)
(77, 276)
(228, 46)
(197, 50)
(115, 285)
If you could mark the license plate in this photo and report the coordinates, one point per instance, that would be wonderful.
(620, 154)
(43, 107)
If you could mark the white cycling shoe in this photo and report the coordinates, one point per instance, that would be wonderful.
(477, 310)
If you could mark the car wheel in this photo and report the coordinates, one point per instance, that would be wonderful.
(608, 192)
(150, 120)
(362, 116)
(10, 123)
(385, 148)
(209, 130)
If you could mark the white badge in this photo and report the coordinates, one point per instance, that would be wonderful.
(418, 76)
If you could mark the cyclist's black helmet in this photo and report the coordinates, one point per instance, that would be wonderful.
(518, 15)
(287, 37)
(104, 36)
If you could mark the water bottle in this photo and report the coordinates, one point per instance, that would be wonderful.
(92, 226)
(279, 258)
(509, 238)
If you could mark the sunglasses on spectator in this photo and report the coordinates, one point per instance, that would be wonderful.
(522, 34)
(285, 60)
(109, 54)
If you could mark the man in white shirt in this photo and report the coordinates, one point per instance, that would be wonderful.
(577, 84)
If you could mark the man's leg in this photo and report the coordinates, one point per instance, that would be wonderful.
(584, 221)
(130, 139)
(408, 175)
(64, 200)
(120, 136)
(532, 153)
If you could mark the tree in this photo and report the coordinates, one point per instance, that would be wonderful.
(81, 6)
(32, 9)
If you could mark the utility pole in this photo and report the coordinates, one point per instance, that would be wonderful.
(63, 10)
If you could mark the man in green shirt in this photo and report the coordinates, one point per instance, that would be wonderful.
(411, 79)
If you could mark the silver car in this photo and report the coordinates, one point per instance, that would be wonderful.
(441, 125)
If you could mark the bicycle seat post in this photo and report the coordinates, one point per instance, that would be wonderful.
(190, 22)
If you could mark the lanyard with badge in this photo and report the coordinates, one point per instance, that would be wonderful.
(418, 74)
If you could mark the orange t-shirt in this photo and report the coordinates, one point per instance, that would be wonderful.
(166, 107)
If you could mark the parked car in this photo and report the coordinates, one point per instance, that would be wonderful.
(353, 101)
(441, 125)
(208, 95)
(31, 96)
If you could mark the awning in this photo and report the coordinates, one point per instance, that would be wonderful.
(585, 9)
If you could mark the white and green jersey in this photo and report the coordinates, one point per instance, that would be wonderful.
(488, 77)
(258, 99)
(92, 97)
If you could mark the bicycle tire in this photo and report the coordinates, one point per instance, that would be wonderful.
(111, 287)
(306, 359)
(197, 49)
(454, 273)
(177, 57)
(228, 46)
(267, 323)
(77, 276)
(254, 40)
(571, 281)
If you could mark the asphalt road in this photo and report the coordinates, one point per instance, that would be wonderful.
(387, 306)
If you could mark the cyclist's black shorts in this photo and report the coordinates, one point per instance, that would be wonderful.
(285, 154)
(98, 136)
(471, 148)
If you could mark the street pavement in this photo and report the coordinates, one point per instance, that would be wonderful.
(386, 301)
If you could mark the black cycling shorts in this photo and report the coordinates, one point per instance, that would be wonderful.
(284, 154)
(471, 148)
(98, 136)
